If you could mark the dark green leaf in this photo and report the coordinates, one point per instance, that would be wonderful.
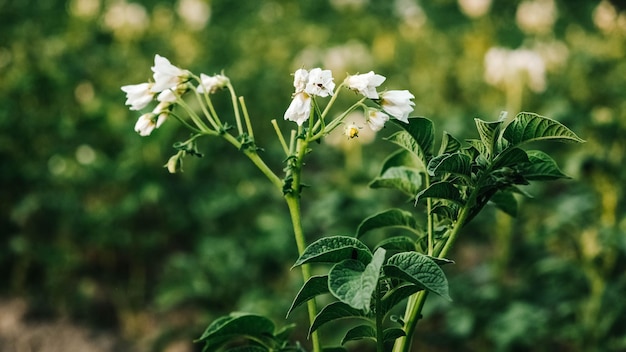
(281, 336)
(334, 311)
(402, 178)
(422, 131)
(239, 324)
(441, 190)
(397, 243)
(395, 296)
(489, 133)
(334, 349)
(359, 332)
(449, 144)
(354, 283)
(506, 202)
(447, 211)
(315, 285)
(418, 269)
(248, 349)
(478, 146)
(528, 127)
(387, 218)
(456, 164)
(510, 157)
(541, 166)
(334, 249)
(391, 334)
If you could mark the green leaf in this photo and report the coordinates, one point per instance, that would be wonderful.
(237, 325)
(388, 218)
(489, 133)
(282, 336)
(418, 269)
(528, 127)
(506, 202)
(448, 211)
(510, 157)
(359, 332)
(456, 164)
(407, 180)
(401, 157)
(248, 349)
(395, 296)
(397, 243)
(334, 311)
(541, 166)
(449, 144)
(314, 286)
(334, 249)
(334, 349)
(423, 132)
(391, 334)
(441, 190)
(478, 146)
(354, 283)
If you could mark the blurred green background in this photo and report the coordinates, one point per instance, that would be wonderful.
(93, 230)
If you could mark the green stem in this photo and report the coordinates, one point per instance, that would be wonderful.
(380, 331)
(256, 160)
(233, 97)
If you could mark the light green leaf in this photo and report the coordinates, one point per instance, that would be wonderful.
(354, 283)
(401, 157)
(334, 311)
(456, 164)
(541, 166)
(402, 178)
(359, 332)
(423, 132)
(315, 285)
(395, 296)
(506, 202)
(489, 133)
(449, 144)
(397, 243)
(418, 269)
(528, 127)
(334, 249)
(441, 190)
(388, 218)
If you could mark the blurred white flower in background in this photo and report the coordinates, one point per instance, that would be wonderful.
(608, 19)
(126, 20)
(474, 8)
(195, 13)
(536, 16)
(503, 66)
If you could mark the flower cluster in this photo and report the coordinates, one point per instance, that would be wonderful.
(318, 82)
(170, 83)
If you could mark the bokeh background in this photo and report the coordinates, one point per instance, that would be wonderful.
(102, 250)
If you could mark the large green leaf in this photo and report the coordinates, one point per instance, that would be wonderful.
(315, 285)
(388, 218)
(449, 144)
(397, 243)
(423, 132)
(441, 190)
(390, 334)
(237, 325)
(489, 133)
(334, 311)
(528, 127)
(354, 283)
(395, 296)
(404, 179)
(510, 157)
(401, 157)
(418, 269)
(456, 164)
(359, 332)
(541, 166)
(334, 249)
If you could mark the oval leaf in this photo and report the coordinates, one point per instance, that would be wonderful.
(449, 144)
(528, 127)
(456, 164)
(441, 190)
(397, 243)
(510, 157)
(388, 218)
(489, 133)
(395, 296)
(418, 269)
(541, 167)
(404, 179)
(401, 157)
(422, 131)
(354, 283)
(334, 311)
(234, 325)
(315, 285)
(360, 332)
(334, 249)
